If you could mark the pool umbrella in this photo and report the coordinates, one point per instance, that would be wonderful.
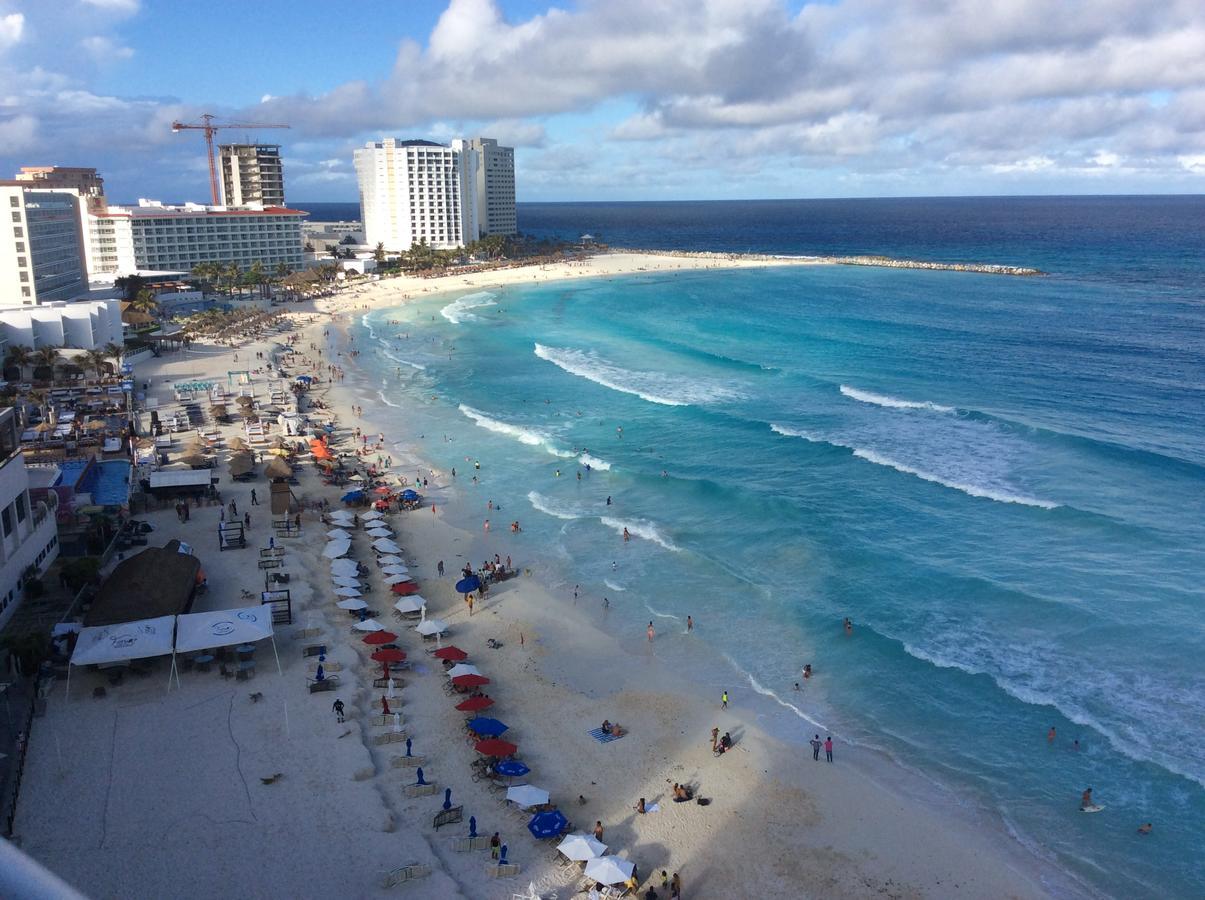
(487, 727)
(431, 626)
(386, 546)
(472, 681)
(463, 669)
(581, 847)
(352, 604)
(547, 824)
(476, 704)
(371, 625)
(511, 768)
(394, 570)
(352, 496)
(411, 604)
(380, 637)
(403, 588)
(338, 533)
(468, 585)
(609, 869)
(335, 549)
(524, 795)
(498, 747)
(390, 561)
(345, 567)
(453, 653)
(348, 592)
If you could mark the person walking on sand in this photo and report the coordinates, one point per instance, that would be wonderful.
(247, 521)
(440, 568)
(254, 498)
(337, 706)
(815, 742)
(675, 887)
(724, 700)
(598, 831)
(651, 632)
(495, 846)
(828, 747)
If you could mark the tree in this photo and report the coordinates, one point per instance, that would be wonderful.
(333, 250)
(113, 352)
(231, 275)
(20, 357)
(145, 302)
(379, 253)
(96, 360)
(309, 248)
(47, 358)
(129, 285)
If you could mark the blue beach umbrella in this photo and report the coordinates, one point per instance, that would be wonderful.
(547, 824)
(486, 726)
(305, 378)
(352, 496)
(409, 494)
(511, 768)
(468, 585)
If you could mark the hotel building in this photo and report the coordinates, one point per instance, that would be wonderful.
(251, 174)
(492, 172)
(42, 254)
(28, 534)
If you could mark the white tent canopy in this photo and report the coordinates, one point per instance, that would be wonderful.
(385, 545)
(223, 628)
(526, 795)
(462, 669)
(127, 640)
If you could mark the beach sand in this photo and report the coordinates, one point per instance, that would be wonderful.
(152, 792)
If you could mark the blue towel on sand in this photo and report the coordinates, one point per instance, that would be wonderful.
(602, 738)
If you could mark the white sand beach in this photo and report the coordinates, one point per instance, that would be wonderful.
(158, 793)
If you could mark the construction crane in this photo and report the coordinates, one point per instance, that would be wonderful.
(207, 125)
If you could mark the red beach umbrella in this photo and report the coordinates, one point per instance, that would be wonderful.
(382, 490)
(453, 653)
(380, 637)
(475, 704)
(470, 680)
(391, 655)
(496, 747)
(405, 588)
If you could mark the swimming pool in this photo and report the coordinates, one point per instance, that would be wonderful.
(108, 482)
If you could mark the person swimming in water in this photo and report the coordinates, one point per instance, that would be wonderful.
(1085, 800)
(626, 534)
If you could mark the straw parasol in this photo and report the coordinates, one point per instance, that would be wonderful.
(241, 464)
(237, 443)
(277, 468)
(97, 425)
(244, 400)
(43, 427)
(194, 459)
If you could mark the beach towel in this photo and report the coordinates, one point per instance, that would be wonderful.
(651, 808)
(603, 738)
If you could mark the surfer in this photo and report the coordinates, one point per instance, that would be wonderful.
(1085, 801)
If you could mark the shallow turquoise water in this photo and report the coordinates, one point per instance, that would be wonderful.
(1000, 480)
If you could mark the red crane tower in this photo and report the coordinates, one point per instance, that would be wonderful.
(207, 125)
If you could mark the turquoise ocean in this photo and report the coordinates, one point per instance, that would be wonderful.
(1000, 480)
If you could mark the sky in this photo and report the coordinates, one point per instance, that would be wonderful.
(624, 99)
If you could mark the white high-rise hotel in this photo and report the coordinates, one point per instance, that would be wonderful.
(415, 191)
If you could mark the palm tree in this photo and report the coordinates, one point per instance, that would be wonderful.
(97, 360)
(47, 358)
(280, 273)
(145, 302)
(232, 274)
(379, 253)
(256, 276)
(19, 356)
(114, 352)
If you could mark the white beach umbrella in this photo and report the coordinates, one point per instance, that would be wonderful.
(581, 847)
(431, 626)
(338, 533)
(386, 546)
(356, 478)
(397, 579)
(369, 625)
(347, 592)
(526, 795)
(380, 532)
(412, 604)
(342, 514)
(335, 549)
(345, 581)
(343, 522)
(352, 604)
(390, 561)
(609, 869)
(373, 514)
(462, 669)
(394, 570)
(344, 567)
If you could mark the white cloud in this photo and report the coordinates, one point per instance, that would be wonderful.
(19, 132)
(126, 7)
(105, 50)
(1194, 163)
(11, 28)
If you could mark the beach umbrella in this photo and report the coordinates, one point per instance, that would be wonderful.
(472, 681)
(335, 549)
(386, 546)
(463, 669)
(343, 517)
(392, 655)
(277, 468)
(523, 795)
(580, 847)
(499, 747)
(510, 768)
(237, 443)
(193, 459)
(346, 568)
(487, 727)
(244, 400)
(392, 560)
(403, 588)
(409, 494)
(412, 604)
(394, 570)
(380, 637)
(477, 704)
(352, 604)
(468, 584)
(397, 579)
(380, 531)
(352, 496)
(455, 654)
(97, 425)
(338, 533)
(373, 515)
(349, 592)
(432, 626)
(240, 465)
(43, 427)
(547, 824)
(279, 451)
(382, 490)
(370, 625)
(345, 581)
(609, 869)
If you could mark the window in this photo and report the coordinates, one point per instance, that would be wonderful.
(14, 201)
(6, 517)
(16, 217)
(21, 511)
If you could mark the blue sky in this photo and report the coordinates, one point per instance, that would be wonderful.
(625, 99)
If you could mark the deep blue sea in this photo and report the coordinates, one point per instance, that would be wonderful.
(1000, 480)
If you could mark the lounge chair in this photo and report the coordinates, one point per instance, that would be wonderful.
(501, 870)
(408, 762)
(391, 737)
(420, 790)
(406, 873)
(387, 721)
(318, 687)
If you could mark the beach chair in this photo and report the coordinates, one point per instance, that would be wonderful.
(448, 817)
(408, 762)
(383, 721)
(328, 666)
(390, 737)
(406, 873)
(502, 870)
(420, 790)
(318, 687)
(303, 633)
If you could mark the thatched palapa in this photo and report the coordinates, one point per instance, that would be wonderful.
(159, 581)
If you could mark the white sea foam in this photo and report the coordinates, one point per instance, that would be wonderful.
(973, 490)
(405, 362)
(660, 615)
(387, 401)
(594, 462)
(458, 311)
(550, 507)
(892, 402)
(530, 436)
(759, 688)
(655, 387)
(788, 431)
(613, 586)
(641, 528)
